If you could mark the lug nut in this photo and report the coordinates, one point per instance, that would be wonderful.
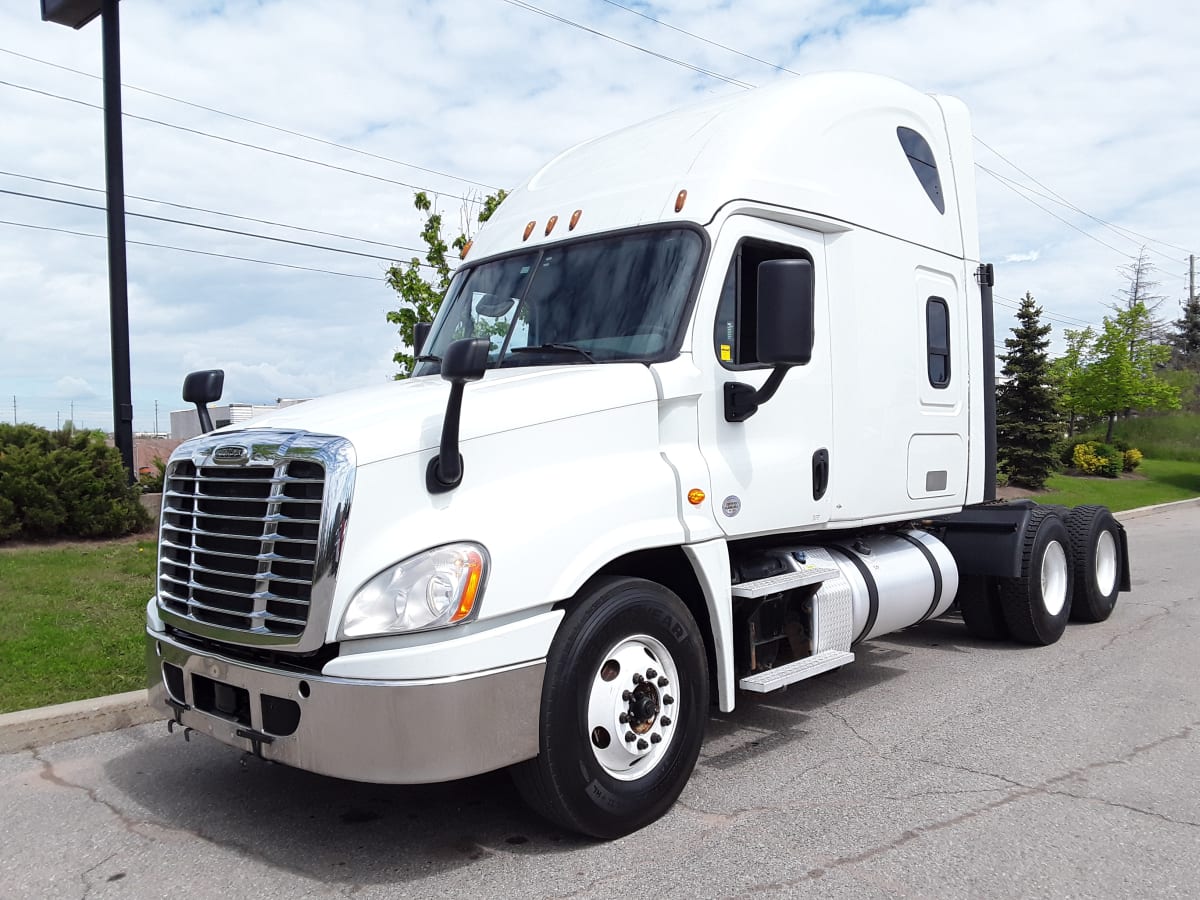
(623, 718)
(668, 699)
(629, 737)
(656, 738)
(651, 674)
(664, 721)
(626, 696)
(637, 678)
(662, 681)
(642, 745)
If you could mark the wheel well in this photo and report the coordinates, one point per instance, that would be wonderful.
(670, 567)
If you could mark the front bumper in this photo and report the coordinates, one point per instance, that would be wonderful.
(401, 732)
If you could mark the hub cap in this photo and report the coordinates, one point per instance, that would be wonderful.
(632, 707)
(1106, 563)
(1054, 578)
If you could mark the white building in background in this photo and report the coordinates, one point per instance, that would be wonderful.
(185, 423)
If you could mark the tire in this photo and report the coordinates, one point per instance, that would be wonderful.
(588, 776)
(1096, 547)
(1037, 604)
(979, 603)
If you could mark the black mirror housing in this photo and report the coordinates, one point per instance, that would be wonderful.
(786, 304)
(203, 387)
(420, 336)
(466, 360)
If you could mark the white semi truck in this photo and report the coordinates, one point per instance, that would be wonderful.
(709, 403)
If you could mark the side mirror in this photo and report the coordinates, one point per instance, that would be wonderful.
(465, 360)
(203, 388)
(785, 331)
(420, 336)
(785, 312)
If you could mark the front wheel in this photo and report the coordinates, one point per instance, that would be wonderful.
(624, 704)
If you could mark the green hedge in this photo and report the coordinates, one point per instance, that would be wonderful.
(68, 483)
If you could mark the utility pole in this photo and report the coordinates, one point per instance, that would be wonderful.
(156, 418)
(1191, 277)
(76, 14)
(14, 409)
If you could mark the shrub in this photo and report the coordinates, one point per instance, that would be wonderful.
(1095, 458)
(64, 484)
(1133, 459)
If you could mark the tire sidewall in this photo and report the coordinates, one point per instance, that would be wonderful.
(1052, 529)
(607, 806)
(1094, 604)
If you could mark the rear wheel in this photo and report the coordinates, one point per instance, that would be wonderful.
(1096, 546)
(624, 704)
(1037, 604)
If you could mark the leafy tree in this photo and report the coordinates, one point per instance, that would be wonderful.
(1122, 375)
(1027, 421)
(420, 293)
(1069, 376)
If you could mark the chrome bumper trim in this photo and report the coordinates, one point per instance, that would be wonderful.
(401, 732)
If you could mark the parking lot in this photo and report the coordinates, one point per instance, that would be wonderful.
(934, 766)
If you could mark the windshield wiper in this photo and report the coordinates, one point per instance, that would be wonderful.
(429, 357)
(554, 347)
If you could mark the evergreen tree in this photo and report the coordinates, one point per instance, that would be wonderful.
(1186, 339)
(1027, 420)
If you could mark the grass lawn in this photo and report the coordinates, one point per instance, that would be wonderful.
(71, 621)
(1164, 480)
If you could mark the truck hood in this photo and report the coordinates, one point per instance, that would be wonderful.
(403, 417)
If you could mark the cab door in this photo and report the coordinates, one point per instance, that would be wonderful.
(774, 471)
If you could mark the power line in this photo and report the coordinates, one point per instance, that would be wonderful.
(697, 37)
(249, 234)
(1012, 182)
(240, 118)
(246, 144)
(213, 212)
(1069, 204)
(678, 62)
(262, 262)
(1010, 304)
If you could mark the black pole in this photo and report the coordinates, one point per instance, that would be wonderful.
(118, 294)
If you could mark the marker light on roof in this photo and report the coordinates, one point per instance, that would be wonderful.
(680, 199)
(550, 225)
(575, 219)
(529, 230)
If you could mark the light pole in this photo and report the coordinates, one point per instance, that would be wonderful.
(76, 14)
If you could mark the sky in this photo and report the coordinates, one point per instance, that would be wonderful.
(1086, 110)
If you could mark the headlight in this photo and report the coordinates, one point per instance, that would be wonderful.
(432, 589)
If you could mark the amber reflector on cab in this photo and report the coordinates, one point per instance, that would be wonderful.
(680, 199)
(465, 250)
(695, 496)
(550, 225)
(574, 219)
(529, 230)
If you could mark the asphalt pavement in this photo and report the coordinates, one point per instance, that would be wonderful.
(936, 765)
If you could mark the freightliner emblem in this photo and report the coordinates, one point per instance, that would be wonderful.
(229, 456)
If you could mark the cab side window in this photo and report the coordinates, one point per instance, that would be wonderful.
(735, 336)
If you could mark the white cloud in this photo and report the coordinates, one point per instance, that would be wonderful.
(1083, 94)
(71, 388)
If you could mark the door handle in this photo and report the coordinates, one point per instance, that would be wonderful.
(820, 473)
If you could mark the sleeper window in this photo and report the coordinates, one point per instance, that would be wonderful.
(937, 341)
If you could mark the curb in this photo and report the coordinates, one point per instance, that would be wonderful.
(1142, 511)
(29, 728)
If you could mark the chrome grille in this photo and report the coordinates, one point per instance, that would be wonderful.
(239, 546)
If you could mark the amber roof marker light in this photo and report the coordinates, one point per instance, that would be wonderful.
(550, 225)
(529, 230)
(574, 219)
(465, 250)
(680, 199)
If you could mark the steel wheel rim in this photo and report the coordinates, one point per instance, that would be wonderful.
(1054, 578)
(649, 705)
(1106, 563)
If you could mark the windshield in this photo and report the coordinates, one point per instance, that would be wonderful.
(616, 298)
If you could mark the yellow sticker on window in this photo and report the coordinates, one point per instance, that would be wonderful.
(726, 355)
